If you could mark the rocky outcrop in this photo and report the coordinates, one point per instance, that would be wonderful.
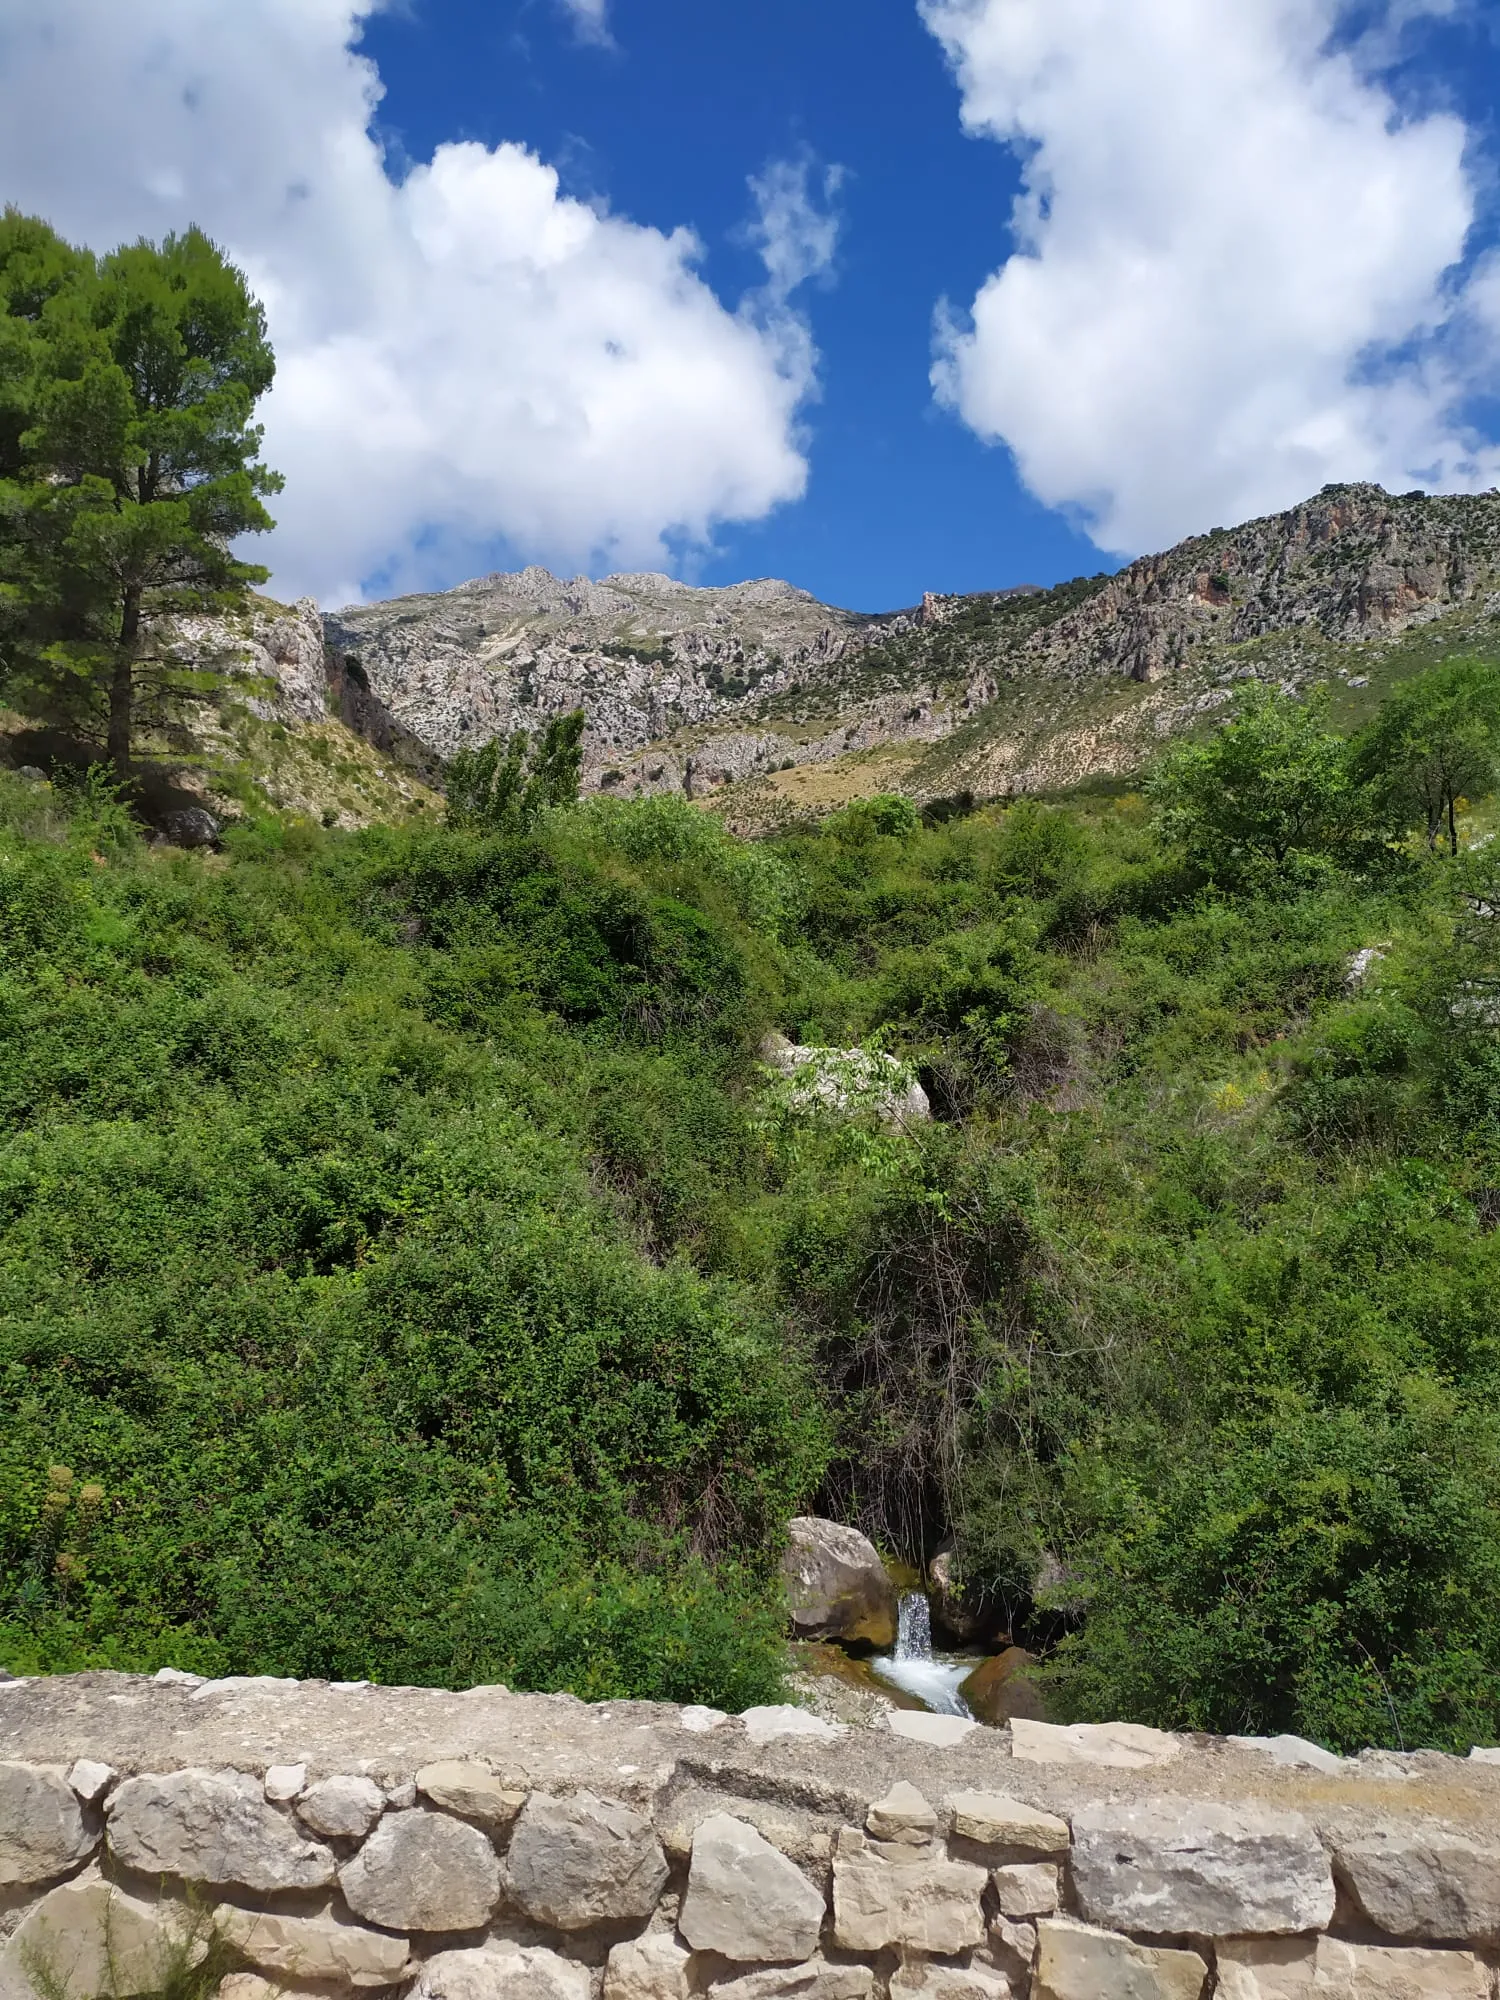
(664, 1853)
(698, 690)
(836, 1585)
(847, 1082)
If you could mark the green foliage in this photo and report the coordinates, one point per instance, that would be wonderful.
(127, 469)
(505, 785)
(1435, 740)
(1271, 786)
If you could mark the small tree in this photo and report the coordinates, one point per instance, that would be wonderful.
(128, 468)
(504, 785)
(1273, 782)
(1436, 740)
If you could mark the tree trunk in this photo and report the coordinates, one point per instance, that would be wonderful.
(122, 686)
(1452, 828)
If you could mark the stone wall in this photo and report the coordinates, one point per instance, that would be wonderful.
(342, 1840)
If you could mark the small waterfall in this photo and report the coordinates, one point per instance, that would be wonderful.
(912, 1668)
(914, 1628)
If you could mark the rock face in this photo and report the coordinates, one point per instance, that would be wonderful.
(215, 1827)
(42, 1834)
(580, 1861)
(691, 690)
(421, 1871)
(1175, 1865)
(1423, 1883)
(746, 1901)
(836, 1585)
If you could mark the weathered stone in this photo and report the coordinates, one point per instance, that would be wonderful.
(817, 1980)
(927, 1903)
(1013, 1950)
(502, 1972)
(213, 1827)
(992, 1820)
(1027, 1889)
(1186, 1865)
(284, 1782)
(918, 1979)
(1425, 1882)
(903, 1815)
(583, 1861)
(746, 1901)
(764, 1725)
(938, 1732)
(249, 1986)
(848, 1081)
(342, 1808)
(654, 1967)
(470, 1790)
(945, 1593)
(421, 1871)
(88, 1937)
(836, 1584)
(315, 1949)
(1120, 1746)
(1295, 1752)
(42, 1834)
(1001, 1689)
(90, 1781)
(1076, 1963)
(1330, 1969)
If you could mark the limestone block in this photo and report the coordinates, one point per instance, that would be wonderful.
(90, 1781)
(919, 1979)
(817, 1980)
(315, 1949)
(653, 1967)
(746, 1901)
(284, 1782)
(583, 1861)
(938, 1732)
(927, 1903)
(1329, 1969)
(764, 1725)
(42, 1834)
(994, 1821)
(903, 1815)
(88, 1937)
(342, 1808)
(1027, 1889)
(470, 1790)
(213, 1827)
(836, 1584)
(1294, 1751)
(421, 1871)
(1013, 1950)
(1120, 1746)
(1425, 1882)
(502, 1972)
(1076, 1963)
(1175, 1865)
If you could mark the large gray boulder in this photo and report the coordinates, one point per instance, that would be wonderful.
(213, 1827)
(577, 1862)
(746, 1901)
(836, 1585)
(1425, 1882)
(1185, 1866)
(42, 1833)
(421, 1871)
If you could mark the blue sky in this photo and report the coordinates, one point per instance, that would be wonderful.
(883, 296)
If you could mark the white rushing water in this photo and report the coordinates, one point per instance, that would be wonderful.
(912, 1667)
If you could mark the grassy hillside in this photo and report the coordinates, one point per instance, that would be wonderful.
(407, 1272)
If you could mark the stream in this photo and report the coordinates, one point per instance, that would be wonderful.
(916, 1669)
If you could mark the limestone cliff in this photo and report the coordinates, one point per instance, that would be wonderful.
(703, 690)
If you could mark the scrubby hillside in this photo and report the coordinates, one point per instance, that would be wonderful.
(407, 1270)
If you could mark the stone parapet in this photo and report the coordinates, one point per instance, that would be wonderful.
(341, 1840)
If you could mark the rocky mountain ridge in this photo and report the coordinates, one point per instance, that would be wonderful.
(752, 687)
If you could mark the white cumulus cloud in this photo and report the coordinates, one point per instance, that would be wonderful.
(590, 20)
(1233, 275)
(467, 355)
